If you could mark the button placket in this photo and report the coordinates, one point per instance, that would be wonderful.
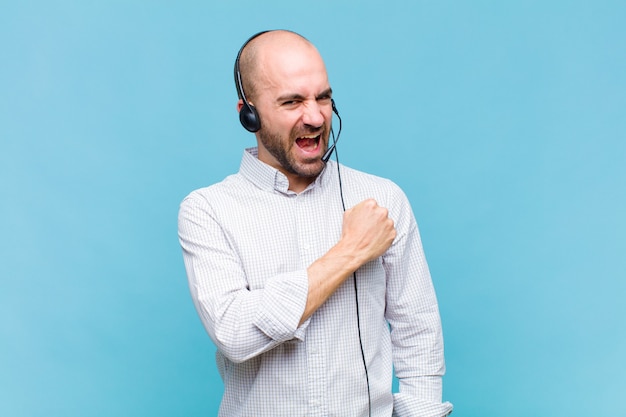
(307, 229)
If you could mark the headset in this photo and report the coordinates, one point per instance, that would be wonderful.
(248, 115)
(250, 120)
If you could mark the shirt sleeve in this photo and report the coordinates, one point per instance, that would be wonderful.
(243, 323)
(413, 316)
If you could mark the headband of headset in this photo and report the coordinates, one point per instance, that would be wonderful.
(248, 116)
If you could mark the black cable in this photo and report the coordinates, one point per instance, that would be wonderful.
(356, 290)
(358, 325)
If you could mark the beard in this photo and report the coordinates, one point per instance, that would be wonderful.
(280, 148)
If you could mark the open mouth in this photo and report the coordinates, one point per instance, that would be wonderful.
(308, 143)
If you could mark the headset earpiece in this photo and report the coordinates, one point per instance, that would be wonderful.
(248, 116)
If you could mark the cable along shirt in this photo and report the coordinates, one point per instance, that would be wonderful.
(247, 243)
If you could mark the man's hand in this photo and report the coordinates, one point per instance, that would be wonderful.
(367, 231)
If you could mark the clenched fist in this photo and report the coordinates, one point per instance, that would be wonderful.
(367, 230)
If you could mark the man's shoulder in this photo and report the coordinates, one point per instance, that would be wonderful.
(215, 191)
(358, 186)
(368, 181)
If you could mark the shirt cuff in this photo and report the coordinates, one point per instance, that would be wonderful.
(282, 305)
(409, 406)
(420, 397)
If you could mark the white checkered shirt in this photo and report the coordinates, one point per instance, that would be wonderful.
(247, 242)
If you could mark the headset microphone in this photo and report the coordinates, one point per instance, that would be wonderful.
(330, 150)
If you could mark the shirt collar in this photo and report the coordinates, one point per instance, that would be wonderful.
(267, 177)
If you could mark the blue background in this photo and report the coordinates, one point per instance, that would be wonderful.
(503, 121)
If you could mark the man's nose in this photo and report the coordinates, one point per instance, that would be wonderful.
(313, 115)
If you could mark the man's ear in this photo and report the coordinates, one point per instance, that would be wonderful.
(239, 105)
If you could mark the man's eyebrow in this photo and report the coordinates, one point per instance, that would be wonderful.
(295, 96)
(289, 97)
(326, 93)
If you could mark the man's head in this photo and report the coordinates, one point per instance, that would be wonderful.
(284, 77)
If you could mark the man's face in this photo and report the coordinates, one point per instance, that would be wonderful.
(294, 103)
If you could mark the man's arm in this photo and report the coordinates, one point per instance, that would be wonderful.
(413, 315)
(366, 234)
(245, 322)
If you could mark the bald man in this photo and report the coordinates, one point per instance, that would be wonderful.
(309, 276)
